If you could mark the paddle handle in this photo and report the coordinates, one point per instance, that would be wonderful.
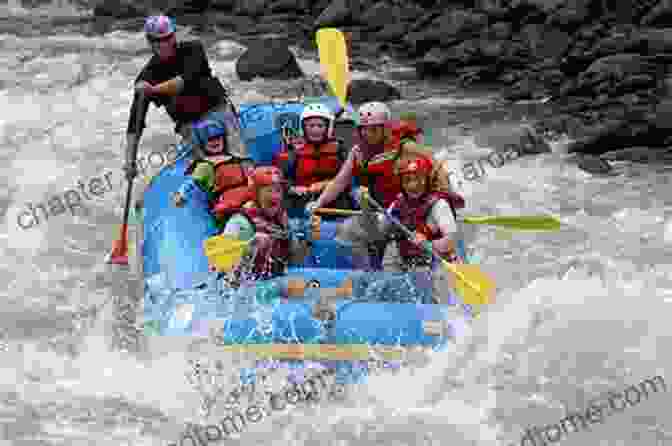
(331, 211)
(133, 155)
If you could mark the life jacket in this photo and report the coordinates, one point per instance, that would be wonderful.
(270, 263)
(231, 187)
(378, 172)
(305, 163)
(413, 214)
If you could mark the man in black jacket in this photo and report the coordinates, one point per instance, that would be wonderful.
(177, 77)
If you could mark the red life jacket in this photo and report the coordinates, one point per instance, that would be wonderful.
(378, 173)
(269, 263)
(311, 163)
(231, 187)
(413, 214)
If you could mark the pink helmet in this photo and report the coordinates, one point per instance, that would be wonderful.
(374, 113)
(159, 26)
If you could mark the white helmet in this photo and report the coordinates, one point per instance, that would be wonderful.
(319, 111)
(374, 113)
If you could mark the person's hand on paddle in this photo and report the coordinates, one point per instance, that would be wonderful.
(130, 170)
(178, 199)
(145, 88)
(421, 240)
(315, 221)
(310, 208)
(361, 196)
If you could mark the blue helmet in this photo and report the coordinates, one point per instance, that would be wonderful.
(207, 129)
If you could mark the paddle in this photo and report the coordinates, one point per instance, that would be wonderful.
(334, 61)
(119, 253)
(520, 223)
(224, 252)
(472, 284)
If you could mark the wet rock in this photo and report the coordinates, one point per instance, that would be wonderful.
(252, 8)
(365, 90)
(268, 58)
(613, 70)
(495, 9)
(223, 5)
(661, 14)
(339, 12)
(570, 15)
(228, 21)
(524, 139)
(380, 15)
(638, 155)
(121, 9)
(614, 135)
(544, 42)
(447, 29)
(189, 7)
(525, 89)
(393, 32)
(289, 6)
(498, 31)
(594, 165)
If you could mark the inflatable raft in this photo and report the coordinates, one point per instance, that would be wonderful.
(180, 293)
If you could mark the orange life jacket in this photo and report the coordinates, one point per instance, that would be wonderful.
(309, 164)
(378, 173)
(231, 188)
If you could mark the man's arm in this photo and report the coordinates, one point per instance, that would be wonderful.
(338, 184)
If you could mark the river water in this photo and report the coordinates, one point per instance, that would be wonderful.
(580, 311)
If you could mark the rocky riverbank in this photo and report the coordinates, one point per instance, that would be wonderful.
(601, 65)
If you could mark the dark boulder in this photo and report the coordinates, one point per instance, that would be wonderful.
(223, 5)
(268, 58)
(339, 12)
(661, 14)
(449, 28)
(121, 9)
(252, 8)
(365, 90)
(594, 165)
(502, 138)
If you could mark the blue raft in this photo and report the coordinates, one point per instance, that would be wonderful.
(176, 268)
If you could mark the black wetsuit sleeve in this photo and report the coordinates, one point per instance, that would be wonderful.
(195, 65)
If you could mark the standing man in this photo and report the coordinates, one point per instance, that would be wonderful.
(178, 77)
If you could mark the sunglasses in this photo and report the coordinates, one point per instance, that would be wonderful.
(152, 39)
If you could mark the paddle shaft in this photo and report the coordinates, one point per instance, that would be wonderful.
(133, 155)
(331, 211)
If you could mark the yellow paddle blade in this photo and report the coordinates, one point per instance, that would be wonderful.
(473, 286)
(334, 60)
(224, 252)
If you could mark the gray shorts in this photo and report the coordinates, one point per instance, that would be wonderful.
(361, 231)
(367, 235)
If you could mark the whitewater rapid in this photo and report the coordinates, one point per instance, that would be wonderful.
(579, 312)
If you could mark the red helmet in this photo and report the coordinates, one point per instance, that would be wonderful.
(266, 176)
(418, 166)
